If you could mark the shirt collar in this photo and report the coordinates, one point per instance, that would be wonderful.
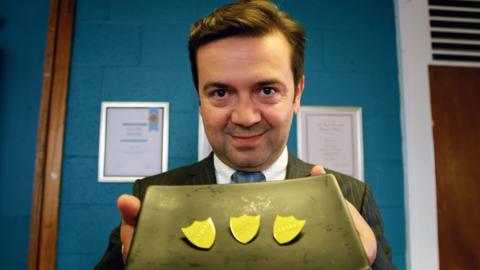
(277, 171)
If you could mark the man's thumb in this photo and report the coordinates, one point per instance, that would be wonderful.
(317, 170)
(129, 206)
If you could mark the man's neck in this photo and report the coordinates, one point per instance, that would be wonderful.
(276, 171)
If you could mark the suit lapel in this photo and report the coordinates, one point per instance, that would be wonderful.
(297, 168)
(203, 173)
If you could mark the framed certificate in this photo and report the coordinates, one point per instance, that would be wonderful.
(204, 147)
(332, 137)
(133, 140)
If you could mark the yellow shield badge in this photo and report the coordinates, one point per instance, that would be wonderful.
(285, 229)
(244, 228)
(201, 233)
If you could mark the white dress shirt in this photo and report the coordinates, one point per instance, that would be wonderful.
(278, 170)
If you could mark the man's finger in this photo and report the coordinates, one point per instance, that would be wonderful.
(317, 170)
(129, 206)
(365, 233)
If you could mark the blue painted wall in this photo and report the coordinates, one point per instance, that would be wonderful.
(136, 51)
(23, 26)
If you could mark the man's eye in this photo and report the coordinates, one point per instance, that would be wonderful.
(268, 91)
(219, 92)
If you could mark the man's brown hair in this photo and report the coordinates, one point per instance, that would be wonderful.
(247, 18)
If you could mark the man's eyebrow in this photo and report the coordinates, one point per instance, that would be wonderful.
(268, 82)
(214, 85)
(257, 84)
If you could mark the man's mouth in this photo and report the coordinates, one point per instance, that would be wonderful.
(244, 140)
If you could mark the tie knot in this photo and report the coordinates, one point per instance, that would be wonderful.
(247, 177)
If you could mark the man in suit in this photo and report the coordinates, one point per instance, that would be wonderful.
(247, 66)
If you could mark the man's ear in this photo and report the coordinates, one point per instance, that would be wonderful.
(298, 94)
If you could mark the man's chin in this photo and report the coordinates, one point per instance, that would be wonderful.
(251, 162)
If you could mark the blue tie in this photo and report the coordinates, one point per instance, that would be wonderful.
(247, 177)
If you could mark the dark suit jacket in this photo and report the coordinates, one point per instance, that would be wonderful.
(203, 172)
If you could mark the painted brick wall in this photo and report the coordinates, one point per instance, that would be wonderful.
(23, 26)
(136, 51)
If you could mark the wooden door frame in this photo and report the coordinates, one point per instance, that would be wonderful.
(414, 56)
(49, 149)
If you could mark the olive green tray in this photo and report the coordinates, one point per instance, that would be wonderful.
(328, 239)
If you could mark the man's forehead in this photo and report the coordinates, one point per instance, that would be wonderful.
(245, 50)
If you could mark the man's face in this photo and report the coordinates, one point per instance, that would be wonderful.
(247, 98)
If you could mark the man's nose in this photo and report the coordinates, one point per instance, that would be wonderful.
(246, 114)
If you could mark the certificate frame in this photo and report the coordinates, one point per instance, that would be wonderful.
(348, 127)
(150, 121)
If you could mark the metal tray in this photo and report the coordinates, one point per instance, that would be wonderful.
(328, 239)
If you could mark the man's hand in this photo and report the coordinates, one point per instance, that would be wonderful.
(367, 237)
(129, 206)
